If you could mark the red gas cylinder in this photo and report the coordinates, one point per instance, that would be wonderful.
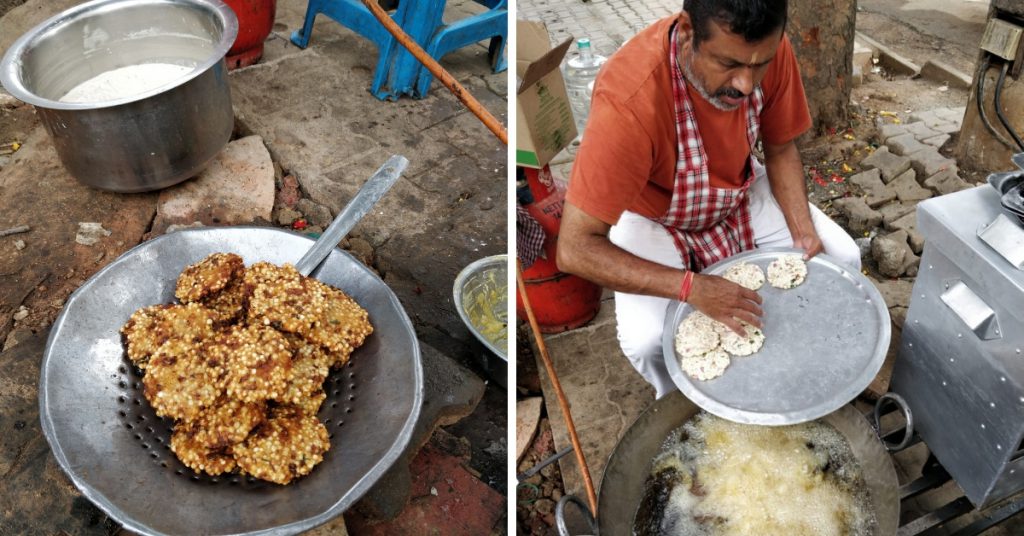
(255, 20)
(560, 301)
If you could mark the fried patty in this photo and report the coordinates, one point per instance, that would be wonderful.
(242, 364)
(287, 446)
(197, 457)
(257, 363)
(227, 422)
(150, 327)
(229, 305)
(208, 276)
(320, 314)
(182, 379)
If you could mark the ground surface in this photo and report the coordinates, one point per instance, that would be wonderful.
(604, 392)
(321, 134)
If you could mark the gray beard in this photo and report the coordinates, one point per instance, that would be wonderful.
(698, 84)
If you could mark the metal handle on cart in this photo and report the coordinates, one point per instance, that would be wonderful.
(901, 404)
(563, 530)
(971, 310)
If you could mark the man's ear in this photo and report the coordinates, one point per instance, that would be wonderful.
(684, 27)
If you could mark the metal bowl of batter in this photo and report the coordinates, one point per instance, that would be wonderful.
(134, 93)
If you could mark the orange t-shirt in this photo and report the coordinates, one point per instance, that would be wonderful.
(627, 160)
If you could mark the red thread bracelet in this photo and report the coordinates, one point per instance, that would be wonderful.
(684, 292)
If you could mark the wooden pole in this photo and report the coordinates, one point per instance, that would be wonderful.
(435, 69)
(563, 403)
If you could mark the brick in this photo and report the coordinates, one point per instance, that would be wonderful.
(930, 118)
(908, 223)
(870, 182)
(890, 165)
(906, 188)
(920, 130)
(948, 128)
(946, 182)
(895, 211)
(953, 115)
(936, 141)
(928, 162)
(861, 217)
(904, 144)
(926, 116)
(893, 255)
(891, 130)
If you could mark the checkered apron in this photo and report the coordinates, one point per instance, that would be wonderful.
(708, 224)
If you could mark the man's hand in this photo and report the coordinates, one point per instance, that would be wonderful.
(809, 242)
(725, 302)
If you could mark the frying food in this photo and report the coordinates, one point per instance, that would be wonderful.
(716, 477)
(240, 364)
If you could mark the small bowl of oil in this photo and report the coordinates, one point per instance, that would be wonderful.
(481, 297)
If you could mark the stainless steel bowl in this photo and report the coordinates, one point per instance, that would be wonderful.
(146, 141)
(481, 297)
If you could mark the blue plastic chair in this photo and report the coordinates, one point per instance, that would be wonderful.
(398, 72)
(492, 24)
(353, 15)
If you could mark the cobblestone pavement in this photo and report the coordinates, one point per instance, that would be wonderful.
(608, 23)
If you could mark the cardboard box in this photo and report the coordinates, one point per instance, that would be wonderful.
(544, 121)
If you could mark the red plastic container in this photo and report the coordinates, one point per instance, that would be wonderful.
(255, 20)
(560, 301)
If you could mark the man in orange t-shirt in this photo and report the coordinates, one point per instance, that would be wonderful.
(666, 182)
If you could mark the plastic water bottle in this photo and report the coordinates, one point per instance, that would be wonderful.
(580, 72)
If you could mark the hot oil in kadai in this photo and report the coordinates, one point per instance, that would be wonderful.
(715, 477)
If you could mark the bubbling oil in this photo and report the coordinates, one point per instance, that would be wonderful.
(734, 479)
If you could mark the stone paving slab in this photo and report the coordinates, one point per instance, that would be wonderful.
(870, 182)
(889, 164)
(236, 188)
(605, 393)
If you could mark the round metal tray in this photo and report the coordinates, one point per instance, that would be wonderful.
(825, 340)
(107, 438)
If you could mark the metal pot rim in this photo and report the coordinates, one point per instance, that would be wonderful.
(10, 65)
(460, 281)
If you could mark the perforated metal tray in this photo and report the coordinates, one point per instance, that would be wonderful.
(825, 340)
(107, 438)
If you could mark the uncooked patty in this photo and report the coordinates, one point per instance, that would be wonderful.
(787, 271)
(706, 366)
(746, 275)
(696, 335)
(742, 346)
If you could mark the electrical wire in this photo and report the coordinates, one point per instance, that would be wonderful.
(999, 105)
(979, 99)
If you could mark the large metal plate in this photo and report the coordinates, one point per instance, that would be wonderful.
(825, 340)
(108, 440)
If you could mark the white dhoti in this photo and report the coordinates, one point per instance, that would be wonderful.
(641, 318)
